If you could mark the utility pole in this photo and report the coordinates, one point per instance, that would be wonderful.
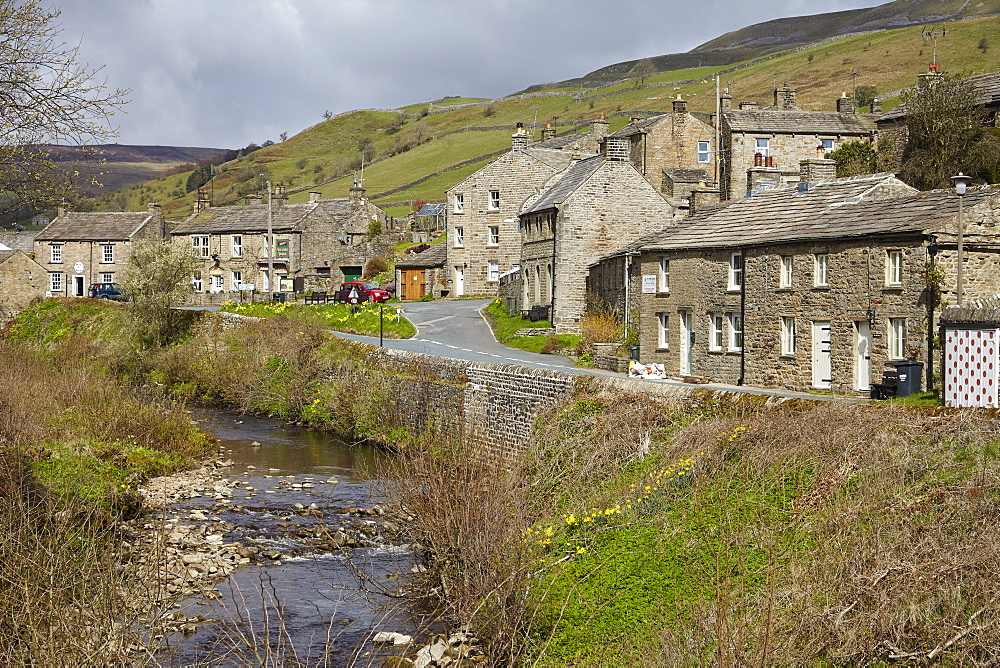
(718, 123)
(270, 242)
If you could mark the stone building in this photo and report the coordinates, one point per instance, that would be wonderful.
(763, 147)
(22, 280)
(484, 240)
(80, 248)
(812, 287)
(317, 245)
(423, 274)
(588, 210)
(673, 151)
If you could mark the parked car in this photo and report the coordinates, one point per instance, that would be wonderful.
(362, 291)
(105, 291)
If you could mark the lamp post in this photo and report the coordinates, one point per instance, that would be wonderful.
(961, 182)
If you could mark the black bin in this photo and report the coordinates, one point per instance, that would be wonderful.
(278, 297)
(633, 353)
(910, 372)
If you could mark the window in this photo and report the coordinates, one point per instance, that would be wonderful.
(237, 245)
(494, 200)
(736, 332)
(459, 237)
(196, 282)
(703, 151)
(107, 254)
(785, 271)
(662, 330)
(827, 145)
(897, 338)
(107, 277)
(493, 271)
(718, 324)
(788, 336)
(894, 268)
(459, 203)
(664, 275)
(237, 277)
(56, 281)
(55, 253)
(736, 271)
(494, 236)
(764, 147)
(200, 245)
(820, 274)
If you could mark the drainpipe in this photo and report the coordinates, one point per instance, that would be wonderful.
(552, 286)
(743, 319)
(628, 263)
(932, 249)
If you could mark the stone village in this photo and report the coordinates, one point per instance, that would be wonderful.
(725, 240)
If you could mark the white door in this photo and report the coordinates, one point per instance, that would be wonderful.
(687, 341)
(79, 286)
(459, 281)
(822, 368)
(863, 355)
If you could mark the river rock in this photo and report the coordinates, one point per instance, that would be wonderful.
(391, 638)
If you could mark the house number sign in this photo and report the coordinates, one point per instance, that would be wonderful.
(78, 267)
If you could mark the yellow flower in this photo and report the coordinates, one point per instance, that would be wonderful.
(571, 519)
(549, 531)
(581, 550)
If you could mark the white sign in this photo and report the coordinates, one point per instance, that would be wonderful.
(649, 284)
(246, 286)
(78, 267)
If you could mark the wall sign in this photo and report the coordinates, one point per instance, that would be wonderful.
(649, 284)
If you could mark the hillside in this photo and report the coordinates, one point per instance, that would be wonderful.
(418, 152)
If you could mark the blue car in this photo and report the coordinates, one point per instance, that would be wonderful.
(105, 291)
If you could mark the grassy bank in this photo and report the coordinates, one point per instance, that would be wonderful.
(506, 327)
(354, 319)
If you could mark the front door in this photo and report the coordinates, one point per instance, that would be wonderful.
(863, 355)
(79, 286)
(459, 281)
(822, 368)
(687, 342)
(413, 284)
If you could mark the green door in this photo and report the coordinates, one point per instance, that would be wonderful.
(351, 274)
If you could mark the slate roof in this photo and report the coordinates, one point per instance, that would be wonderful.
(434, 256)
(987, 86)
(799, 122)
(253, 217)
(6, 255)
(679, 175)
(553, 157)
(637, 127)
(94, 226)
(23, 241)
(569, 180)
(834, 209)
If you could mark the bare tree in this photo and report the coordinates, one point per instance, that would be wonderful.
(157, 279)
(642, 70)
(46, 96)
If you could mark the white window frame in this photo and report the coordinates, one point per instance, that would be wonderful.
(786, 270)
(459, 203)
(664, 275)
(459, 237)
(493, 235)
(200, 244)
(494, 200)
(236, 276)
(492, 271)
(704, 151)
(828, 145)
(56, 254)
(107, 254)
(107, 277)
(196, 282)
(735, 331)
(56, 281)
(821, 270)
(787, 335)
(735, 271)
(894, 268)
(896, 330)
(237, 245)
(762, 145)
(662, 329)
(717, 336)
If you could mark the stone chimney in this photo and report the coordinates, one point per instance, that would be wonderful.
(548, 132)
(357, 193)
(201, 202)
(703, 198)
(749, 106)
(725, 100)
(617, 149)
(255, 198)
(601, 127)
(680, 106)
(812, 170)
(154, 210)
(520, 138)
(279, 196)
(760, 177)
(315, 196)
(845, 105)
(784, 98)
(877, 105)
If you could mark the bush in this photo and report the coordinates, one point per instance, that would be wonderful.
(375, 266)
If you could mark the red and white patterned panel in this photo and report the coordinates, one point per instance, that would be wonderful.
(970, 367)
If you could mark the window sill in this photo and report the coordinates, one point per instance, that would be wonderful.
(821, 288)
(662, 350)
(894, 287)
(735, 290)
(786, 356)
(663, 293)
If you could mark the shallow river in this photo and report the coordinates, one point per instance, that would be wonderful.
(316, 605)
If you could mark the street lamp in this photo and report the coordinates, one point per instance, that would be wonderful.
(961, 182)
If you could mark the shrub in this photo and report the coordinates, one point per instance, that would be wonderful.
(375, 265)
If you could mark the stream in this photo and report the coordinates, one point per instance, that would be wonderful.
(301, 503)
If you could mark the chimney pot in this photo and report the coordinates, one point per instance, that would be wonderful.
(680, 106)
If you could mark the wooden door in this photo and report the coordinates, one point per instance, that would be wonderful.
(412, 284)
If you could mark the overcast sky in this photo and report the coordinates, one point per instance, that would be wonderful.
(224, 73)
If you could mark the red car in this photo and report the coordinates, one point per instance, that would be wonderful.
(360, 291)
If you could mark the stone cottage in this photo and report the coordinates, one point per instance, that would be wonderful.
(80, 248)
(818, 286)
(317, 245)
(586, 211)
(22, 280)
(763, 147)
(484, 240)
(422, 274)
